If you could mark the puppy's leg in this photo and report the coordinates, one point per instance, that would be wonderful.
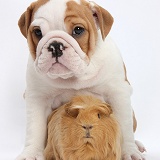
(138, 143)
(37, 113)
(119, 99)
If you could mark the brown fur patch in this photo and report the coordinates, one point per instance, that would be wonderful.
(81, 15)
(27, 17)
(24, 25)
(134, 122)
(103, 18)
(125, 71)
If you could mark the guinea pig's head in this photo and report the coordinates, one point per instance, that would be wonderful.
(88, 121)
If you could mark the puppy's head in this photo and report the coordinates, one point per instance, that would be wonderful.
(62, 34)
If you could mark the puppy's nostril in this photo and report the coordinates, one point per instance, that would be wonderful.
(56, 48)
(51, 48)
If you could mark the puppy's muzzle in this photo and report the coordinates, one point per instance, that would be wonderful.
(57, 49)
(59, 56)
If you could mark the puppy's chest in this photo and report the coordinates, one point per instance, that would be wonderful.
(66, 95)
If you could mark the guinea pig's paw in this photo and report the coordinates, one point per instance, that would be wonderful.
(132, 153)
(26, 155)
(140, 146)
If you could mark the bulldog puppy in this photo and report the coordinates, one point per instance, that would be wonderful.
(71, 54)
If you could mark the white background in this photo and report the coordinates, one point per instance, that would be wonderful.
(136, 31)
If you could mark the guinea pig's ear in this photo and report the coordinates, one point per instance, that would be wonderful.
(103, 19)
(105, 109)
(71, 110)
(25, 20)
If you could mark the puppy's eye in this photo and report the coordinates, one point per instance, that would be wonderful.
(99, 116)
(78, 31)
(38, 32)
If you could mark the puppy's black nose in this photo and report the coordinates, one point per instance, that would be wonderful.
(56, 48)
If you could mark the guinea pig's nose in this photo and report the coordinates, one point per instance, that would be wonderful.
(87, 130)
(87, 127)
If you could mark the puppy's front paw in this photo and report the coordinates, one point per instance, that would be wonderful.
(29, 154)
(131, 152)
(140, 146)
(25, 157)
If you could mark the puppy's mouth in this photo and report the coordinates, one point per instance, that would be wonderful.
(60, 56)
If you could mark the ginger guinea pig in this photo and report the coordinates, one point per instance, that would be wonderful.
(83, 129)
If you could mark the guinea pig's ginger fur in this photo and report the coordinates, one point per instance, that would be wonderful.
(83, 129)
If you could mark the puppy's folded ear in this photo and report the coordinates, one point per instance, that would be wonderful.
(25, 20)
(103, 19)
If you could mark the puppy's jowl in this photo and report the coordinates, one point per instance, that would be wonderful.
(72, 54)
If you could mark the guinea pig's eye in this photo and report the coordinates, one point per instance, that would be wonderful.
(37, 32)
(99, 116)
(78, 31)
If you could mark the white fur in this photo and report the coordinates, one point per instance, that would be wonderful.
(52, 14)
(104, 78)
